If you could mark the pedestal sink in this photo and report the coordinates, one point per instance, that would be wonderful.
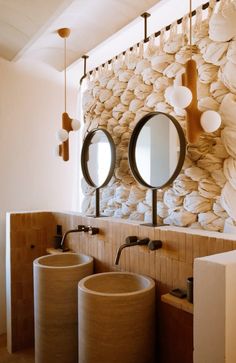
(116, 318)
(56, 280)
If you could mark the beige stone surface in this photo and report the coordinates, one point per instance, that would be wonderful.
(55, 305)
(116, 318)
(214, 308)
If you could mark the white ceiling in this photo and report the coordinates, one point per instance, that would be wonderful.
(28, 28)
(23, 20)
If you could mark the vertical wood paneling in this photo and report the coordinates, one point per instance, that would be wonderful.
(181, 237)
(170, 266)
(30, 235)
(189, 248)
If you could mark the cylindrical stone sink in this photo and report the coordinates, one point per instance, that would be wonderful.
(116, 318)
(56, 280)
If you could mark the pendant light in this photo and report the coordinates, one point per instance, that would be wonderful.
(181, 96)
(186, 97)
(68, 124)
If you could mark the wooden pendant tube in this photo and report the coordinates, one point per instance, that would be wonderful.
(189, 80)
(64, 147)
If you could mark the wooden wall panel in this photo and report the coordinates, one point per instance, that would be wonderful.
(169, 266)
(30, 235)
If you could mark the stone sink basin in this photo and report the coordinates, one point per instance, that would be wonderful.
(56, 280)
(116, 318)
(64, 260)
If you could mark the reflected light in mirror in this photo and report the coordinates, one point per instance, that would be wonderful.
(99, 158)
(157, 150)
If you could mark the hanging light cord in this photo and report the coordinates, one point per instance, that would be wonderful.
(190, 30)
(65, 71)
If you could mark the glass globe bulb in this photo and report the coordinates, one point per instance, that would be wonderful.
(75, 124)
(62, 135)
(180, 97)
(210, 121)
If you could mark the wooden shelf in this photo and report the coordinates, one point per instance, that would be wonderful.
(178, 303)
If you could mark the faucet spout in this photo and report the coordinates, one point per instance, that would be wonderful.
(79, 229)
(120, 249)
(139, 242)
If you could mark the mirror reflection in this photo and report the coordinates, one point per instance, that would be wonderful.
(99, 157)
(156, 153)
(157, 150)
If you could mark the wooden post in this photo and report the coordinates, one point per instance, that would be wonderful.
(189, 79)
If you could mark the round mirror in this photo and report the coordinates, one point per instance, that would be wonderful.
(156, 150)
(98, 158)
(156, 153)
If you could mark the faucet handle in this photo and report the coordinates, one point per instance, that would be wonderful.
(131, 239)
(81, 227)
(93, 230)
(143, 241)
(154, 245)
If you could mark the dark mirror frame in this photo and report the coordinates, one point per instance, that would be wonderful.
(133, 164)
(84, 167)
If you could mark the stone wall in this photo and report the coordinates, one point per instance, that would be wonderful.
(134, 84)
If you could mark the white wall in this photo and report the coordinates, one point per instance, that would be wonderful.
(32, 177)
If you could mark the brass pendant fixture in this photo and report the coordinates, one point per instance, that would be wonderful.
(185, 96)
(68, 124)
(189, 80)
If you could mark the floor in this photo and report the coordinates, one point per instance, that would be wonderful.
(24, 356)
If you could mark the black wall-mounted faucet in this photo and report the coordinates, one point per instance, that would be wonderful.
(129, 242)
(84, 228)
(93, 230)
(155, 245)
(80, 228)
(134, 241)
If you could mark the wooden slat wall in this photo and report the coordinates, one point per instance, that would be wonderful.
(169, 266)
(29, 235)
